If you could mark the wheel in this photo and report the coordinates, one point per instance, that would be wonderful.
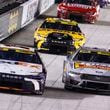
(93, 21)
(67, 87)
(38, 92)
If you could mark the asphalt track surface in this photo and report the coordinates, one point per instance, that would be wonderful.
(55, 97)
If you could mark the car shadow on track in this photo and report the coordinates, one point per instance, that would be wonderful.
(102, 23)
(60, 93)
(55, 53)
(99, 22)
(75, 93)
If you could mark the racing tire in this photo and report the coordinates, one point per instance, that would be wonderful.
(93, 21)
(67, 87)
(38, 92)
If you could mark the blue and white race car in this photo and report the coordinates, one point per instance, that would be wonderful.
(21, 69)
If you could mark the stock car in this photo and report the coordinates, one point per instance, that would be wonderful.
(21, 69)
(80, 10)
(58, 35)
(88, 68)
(103, 3)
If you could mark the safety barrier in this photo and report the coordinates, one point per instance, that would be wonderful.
(10, 22)
(29, 9)
(16, 18)
(44, 5)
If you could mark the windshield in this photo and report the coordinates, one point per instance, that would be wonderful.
(85, 2)
(93, 57)
(60, 26)
(17, 56)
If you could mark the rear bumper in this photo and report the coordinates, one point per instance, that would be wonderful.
(77, 16)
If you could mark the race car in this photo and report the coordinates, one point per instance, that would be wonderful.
(103, 3)
(80, 10)
(88, 68)
(21, 69)
(58, 35)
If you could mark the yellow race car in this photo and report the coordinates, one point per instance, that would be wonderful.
(58, 35)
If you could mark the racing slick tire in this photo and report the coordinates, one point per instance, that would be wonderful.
(67, 87)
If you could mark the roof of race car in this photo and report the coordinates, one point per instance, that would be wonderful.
(17, 48)
(94, 49)
(61, 20)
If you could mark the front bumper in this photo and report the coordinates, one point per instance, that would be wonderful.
(20, 83)
(55, 47)
(92, 82)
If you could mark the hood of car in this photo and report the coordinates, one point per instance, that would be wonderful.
(19, 68)
(90, 68)
(78, 8)
(45, 32)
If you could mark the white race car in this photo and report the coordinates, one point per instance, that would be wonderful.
(88, 68)
(21, 69)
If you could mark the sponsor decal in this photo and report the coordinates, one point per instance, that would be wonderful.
(80, 6)
(37, 66)
(4, 49)
(13, 21)
(24, 51)
(104, 53)
(93, 65)
(29, 65)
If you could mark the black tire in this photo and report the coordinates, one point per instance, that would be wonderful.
(67, 87)
(38, 92)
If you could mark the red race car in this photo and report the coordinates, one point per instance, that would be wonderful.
(79, 10)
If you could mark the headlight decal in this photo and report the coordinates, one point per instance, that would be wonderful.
(35, 83)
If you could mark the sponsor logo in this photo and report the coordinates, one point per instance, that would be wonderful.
(80, 6)
(88, 65)
(13, 21)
